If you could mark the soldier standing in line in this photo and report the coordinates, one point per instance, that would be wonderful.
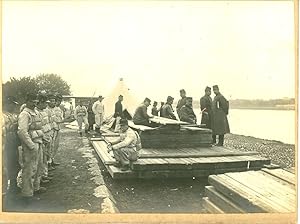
(58, 120)
(98, 109)
(81, 117)
(167, 110)
(10, 142)
(220, 125)
(51, 115)
(31, 136)
(206, 108)
(47, 129)
(181, 102)
(187, 113)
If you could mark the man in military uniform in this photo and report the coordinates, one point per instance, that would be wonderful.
(51, 114)
(167, 110)
(141, 116)
(31, 136)
(41, 110)
(160, 109)
(10, 142)
(98, 109)
(58, 120)
(154, 110)
(187, 113)
(91, 116)
(126, 148)
(181, 102)
(206, 108)
(81, 117)
(118, 114)
(220, 125)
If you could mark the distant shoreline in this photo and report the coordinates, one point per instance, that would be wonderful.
(257, 108)
(262, 108)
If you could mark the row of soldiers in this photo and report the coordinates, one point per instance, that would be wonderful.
(214, 112)
(33, 135)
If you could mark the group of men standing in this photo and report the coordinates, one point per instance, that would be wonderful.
(214, 112)
(32, 134)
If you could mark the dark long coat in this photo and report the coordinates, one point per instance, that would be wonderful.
(220, 125)
(206, 108)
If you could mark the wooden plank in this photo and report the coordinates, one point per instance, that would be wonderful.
(182, 154)
(246, 198)
(211, 207)
(282, 174)
(117, 173)
(165, 121)
(139, 127)
(221, 201)
(268, 188)
(101, 149)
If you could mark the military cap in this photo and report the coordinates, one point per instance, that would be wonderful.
(42, 98)
(182, 91)
(207, 88)
(215, 87)
(123, 122)
(10, 100)
(170, 98)
(101, 97)
(147, 99)
(189, 98)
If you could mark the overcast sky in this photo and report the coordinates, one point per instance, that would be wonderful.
(158, 48)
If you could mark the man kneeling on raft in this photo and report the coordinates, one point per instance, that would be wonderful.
(126, 148)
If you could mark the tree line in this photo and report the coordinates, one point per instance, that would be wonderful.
(19, 87)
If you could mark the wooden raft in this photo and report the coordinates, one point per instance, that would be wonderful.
(172, 134)
(264, 191)
(182, 162)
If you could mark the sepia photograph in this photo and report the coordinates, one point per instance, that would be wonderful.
(149, 111)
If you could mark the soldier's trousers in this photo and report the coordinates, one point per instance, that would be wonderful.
(12, 161)
(46, 157)
(81, 120)
(98, 120)
(30, 169)
(55, 143)
(124, 155)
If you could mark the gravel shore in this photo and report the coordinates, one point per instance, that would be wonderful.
(280, 153)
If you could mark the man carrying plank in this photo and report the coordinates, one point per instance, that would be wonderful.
(126, 148)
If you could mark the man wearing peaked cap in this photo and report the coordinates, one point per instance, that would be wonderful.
(141, 116)
(187, 113)
(31, 135)
(10, 143)
(182, 101)
(98, 109)
(220, 107)
(206, 108)
(126, 148)
(167, 110)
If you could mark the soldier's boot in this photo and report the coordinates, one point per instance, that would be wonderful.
(221, 140)
(214, 137)
(40, 190)
(55, 163)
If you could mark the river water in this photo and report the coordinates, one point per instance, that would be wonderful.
(266, 124)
